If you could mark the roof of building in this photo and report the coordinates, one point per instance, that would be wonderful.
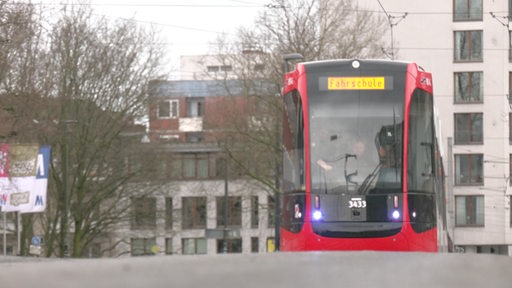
(206, 88)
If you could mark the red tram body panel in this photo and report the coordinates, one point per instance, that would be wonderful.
(360, 164)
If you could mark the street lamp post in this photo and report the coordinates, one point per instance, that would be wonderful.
(65, 208)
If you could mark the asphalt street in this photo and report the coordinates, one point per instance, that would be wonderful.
(312, 270)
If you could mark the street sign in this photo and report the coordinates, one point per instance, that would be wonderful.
(36, 241)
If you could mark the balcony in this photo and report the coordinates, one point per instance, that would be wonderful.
(191, 124)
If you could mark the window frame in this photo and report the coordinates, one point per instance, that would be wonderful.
(510, 37)
(208, 163)
(469, 35)
(234, 245)
(169, 217)
(196, 246)
(457, 159)
(510, 173)
(467, 15)
(510, 128)
(469, 130)
(195, 106)
(255, 221)
(467, 98)
(468, 206)
(147, 248)
(234, 211)
(510, 85)
(255, 244)
(198, 210)
(168, 246)
(271, 211)
(174, 108)
(143, 213)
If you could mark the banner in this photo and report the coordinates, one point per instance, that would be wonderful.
(23, 177)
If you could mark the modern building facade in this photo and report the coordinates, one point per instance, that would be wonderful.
(466, 45)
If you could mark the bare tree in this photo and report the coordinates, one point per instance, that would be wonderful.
(99, 73)
(19, 51)
(321, 29)
(78, 86)
(316, 29)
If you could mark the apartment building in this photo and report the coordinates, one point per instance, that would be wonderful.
(466, 45)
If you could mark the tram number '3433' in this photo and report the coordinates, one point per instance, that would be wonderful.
(356, 203)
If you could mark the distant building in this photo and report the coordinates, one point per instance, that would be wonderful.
(187, 213)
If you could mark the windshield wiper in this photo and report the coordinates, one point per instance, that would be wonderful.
(324, 164)
(369, 180)
(348, 177)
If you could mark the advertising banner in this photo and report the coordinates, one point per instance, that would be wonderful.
(23, 177)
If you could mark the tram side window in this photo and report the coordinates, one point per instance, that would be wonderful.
(293, 142)
(421, 143)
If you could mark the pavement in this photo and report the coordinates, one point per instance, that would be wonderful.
(308, 269)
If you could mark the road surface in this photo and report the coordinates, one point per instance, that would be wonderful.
(312, 270)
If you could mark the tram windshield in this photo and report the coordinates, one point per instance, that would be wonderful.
(356, 141)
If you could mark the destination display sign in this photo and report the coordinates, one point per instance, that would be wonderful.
(356, 83)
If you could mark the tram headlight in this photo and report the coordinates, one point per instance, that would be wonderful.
(317, 215)
(396, 215)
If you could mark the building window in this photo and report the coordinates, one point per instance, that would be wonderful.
(196, 166)
(195, 107)
(509, 9)
(234, 211)
(469, 210)
(468, 87)
(168, 246)
(510, 170)
(510, 128)
(194, 212)
(469, 169)
(95, 251)
(233, 245)
(144, 213)
(194, 246)
(510, 86)
(510, 42)
(167, 109)
(255, 243)
(226, 68)
(194, 137)
(271, 211)
(259, 67)
(168, 213)
(467, 10)
(219, 68)
(142, 246)
(254, 212)
(468, 46)
(468, 128)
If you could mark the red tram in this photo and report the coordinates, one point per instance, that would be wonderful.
(361, 165)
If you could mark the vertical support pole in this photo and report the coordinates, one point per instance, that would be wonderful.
(226, 178)
(19, 231)
(4, 216)
(449, 191)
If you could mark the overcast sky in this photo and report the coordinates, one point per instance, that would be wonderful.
(187, 26)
